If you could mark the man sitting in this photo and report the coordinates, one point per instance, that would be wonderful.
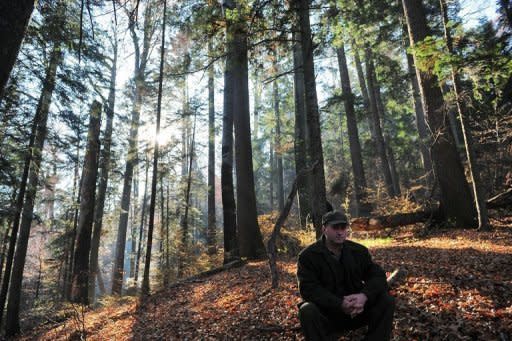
(342, 288)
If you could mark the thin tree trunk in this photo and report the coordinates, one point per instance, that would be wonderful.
(379, 138)
(278, 147)
(134, 225)
(14, 18)
(184, 223)
(141, 227)
(80, 286)
(17, 215)
(362, 207)
(13, 306)
(421, 124)
(140, 70)
(103, 177)
(456, 202)
(77, 186)
(300, 140)
(474, 174)
(272, 166)
(318, 195)
(145, 279)
(211, 229)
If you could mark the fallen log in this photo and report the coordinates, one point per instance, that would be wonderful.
(389, 221)
(503, 199)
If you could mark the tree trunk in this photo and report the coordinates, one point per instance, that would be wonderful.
(300, 140)
(390, 221)
(474, 174)
(421, 124)
(14, 18)
(249, 235)
(272, 166)
(362, 207)
(145, 280)
(278, 147)
(379, 138)
(140, 70)
(318, 195)
(392, 166)
(80, 286)
(184, 221)
(103, 177)
(211, 229)
(228, 196)
(372, 169)
(456, 202)
(77, 186)
(141, 227)
(17, 215)
(13, 307)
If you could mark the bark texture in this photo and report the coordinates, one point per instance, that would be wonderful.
(80, 285)
(12, 325)
(318, 194)
(456, 202)
(14, 18)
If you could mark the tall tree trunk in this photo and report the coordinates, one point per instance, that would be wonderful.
(142, 221)
(141, 59)
(103, 177)
(249, 235)
(379, 141)
(318, 195)
(300, 138)
(77, 186)
(392, 166)
(272, 166)
(362, 207)
(14, 17)
(474, 174)
(389, 151)
(80, 291)
(133, 221)
(228, 194)
(456, 202)
(12, 326)
(184, 221)
(278, 147)
(421, 124)
(17, 215)
(372, 169)
(212, 228)
(145, 280)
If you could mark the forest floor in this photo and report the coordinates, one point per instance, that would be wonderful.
(458, 286)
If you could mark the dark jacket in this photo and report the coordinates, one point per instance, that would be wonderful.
(323, 280)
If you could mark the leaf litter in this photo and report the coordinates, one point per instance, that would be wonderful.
(458, 286)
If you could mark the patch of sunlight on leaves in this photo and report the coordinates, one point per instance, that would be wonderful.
(374, 242)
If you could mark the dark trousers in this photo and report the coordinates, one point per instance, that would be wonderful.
(318, 325)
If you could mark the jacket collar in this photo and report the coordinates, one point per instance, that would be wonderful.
(319, 246)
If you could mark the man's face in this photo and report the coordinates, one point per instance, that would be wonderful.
(336, 234)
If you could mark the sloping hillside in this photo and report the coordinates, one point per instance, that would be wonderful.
(458, 287)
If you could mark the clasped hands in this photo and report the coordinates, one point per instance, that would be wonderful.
(353, 304)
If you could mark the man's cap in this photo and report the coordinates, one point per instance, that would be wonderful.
(334, 218)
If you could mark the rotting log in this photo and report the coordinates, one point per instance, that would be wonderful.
(389, 221)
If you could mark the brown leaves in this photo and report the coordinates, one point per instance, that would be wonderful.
(458, 287)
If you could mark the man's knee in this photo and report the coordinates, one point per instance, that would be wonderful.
(309, 311)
